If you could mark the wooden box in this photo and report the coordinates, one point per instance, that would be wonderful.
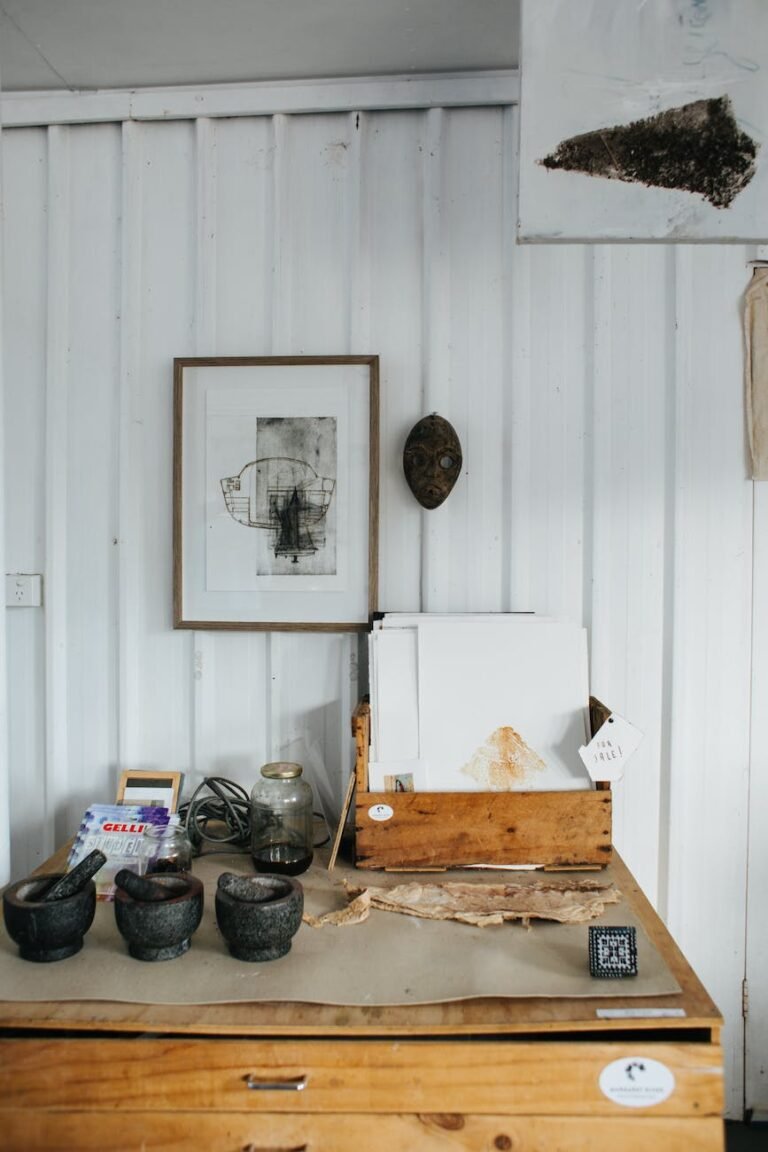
(453, 829)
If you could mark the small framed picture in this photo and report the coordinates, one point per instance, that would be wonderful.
(150, 789)
(275, 492)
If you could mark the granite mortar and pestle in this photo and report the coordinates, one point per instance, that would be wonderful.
(48, 916)
(258, 916)
(157, 915)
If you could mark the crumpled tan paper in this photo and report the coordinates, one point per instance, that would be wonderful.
(355, 913)
(565, 901)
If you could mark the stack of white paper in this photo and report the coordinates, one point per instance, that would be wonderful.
(478, 703)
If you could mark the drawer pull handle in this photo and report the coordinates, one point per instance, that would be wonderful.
(293, 1084)
(255, 1148)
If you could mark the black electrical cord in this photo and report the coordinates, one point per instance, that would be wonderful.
(227, 808)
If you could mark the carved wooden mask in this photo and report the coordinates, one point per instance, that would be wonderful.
(432, 460)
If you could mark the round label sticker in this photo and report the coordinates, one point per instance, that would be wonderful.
(381, 812)
(637, 1082)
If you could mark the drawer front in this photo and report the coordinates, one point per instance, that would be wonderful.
(182, 1132)
(306, 1076)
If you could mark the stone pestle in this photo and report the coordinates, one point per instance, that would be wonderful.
(143, 887)
(74, 881)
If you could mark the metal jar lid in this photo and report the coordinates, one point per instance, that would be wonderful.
(281, 770)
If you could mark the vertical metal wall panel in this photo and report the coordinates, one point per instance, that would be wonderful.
(231, 672)
(550, 425)
(395, 151)
(57, 421)
(234, 307)
(92, 439)
(473, 212)
(205, 231)
(162, 720)
(710, 703)
(506, 291)
(129, 464)
(317, 185)
(313, 239)
(5, 776)
(435, 351)
(358, 251)
(245, 234)
(25, 195)
(756, 1047)
(517, 365)
(626, 515)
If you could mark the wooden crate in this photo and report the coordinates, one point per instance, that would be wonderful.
(454, 829)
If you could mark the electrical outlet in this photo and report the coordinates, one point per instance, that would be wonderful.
(23, 590)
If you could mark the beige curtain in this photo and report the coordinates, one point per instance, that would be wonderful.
(756, 367)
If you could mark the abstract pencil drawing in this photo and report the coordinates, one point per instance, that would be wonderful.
(287, 491)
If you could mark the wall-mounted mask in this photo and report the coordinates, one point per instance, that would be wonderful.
(432, 460)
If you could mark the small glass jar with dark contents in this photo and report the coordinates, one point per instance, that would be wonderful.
(281, 820)
(166, 848)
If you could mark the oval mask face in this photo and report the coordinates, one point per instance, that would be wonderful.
(432, 460)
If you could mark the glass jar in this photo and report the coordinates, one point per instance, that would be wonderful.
(166, 848)
(281, 820)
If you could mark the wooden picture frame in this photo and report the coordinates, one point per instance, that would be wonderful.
(149, 788)
(275, 492)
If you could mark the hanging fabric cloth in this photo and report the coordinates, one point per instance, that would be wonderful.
(756, 370)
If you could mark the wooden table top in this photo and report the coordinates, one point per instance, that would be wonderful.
(479, 1017)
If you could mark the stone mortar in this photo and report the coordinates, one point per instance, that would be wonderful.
(258, 916)
(161, 929)
(47, 930)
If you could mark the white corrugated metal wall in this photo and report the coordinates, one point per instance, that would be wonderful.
(597, 392)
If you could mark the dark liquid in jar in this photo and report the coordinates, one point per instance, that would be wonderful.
(167, 865)
(282, 858)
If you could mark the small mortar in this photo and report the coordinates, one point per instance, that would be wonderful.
(161, 929)
(258, 916)
(47, 930)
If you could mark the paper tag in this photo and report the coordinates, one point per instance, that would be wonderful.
(607, 753)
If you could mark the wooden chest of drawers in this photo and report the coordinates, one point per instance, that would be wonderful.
(523, 1074)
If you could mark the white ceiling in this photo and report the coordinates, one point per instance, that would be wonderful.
(86, 44)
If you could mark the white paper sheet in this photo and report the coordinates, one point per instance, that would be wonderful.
(517, 672)
(431, 619)
(395, 705)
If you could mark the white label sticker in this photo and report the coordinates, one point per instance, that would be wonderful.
(381, 812)
(637, 1082)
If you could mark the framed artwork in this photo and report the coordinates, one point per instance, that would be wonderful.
(150, 789)
(275, 492)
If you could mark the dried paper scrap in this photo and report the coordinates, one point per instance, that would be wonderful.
(355, 912)
(566, 901)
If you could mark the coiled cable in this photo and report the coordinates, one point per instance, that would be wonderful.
(227, 807)
(223, 816)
